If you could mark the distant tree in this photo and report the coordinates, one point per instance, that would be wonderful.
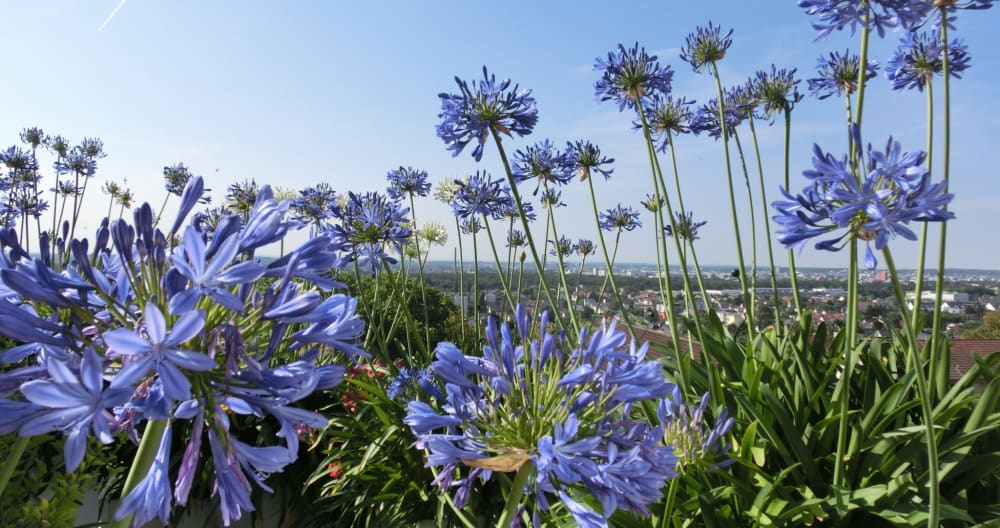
(990, 329)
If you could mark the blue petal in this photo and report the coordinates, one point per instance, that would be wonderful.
(191, 360)
(156, 324)
(186, 328)
(184, 301)
(126, 342)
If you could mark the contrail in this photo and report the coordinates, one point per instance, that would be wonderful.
(112, 15)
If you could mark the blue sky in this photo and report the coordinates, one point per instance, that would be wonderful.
(297, 93)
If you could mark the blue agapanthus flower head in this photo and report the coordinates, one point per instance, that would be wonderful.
(920, 56)
(315, 204)
(838, 74)
(775, 90)
(894, 190)
(666, 116)
(372, 225)
(562, 247)
(630, 75)
(707, 45)
(470, 225)
(833, 15)
(739, 103)
(620, 218)
(587, 159)
(551, 198)
(697, 443)
(481, 195)
(584, 247)
(516, 239)
(544, 163)
(564, 413)
(142, 331)
(490, 106)
(687, 228)
(406, 182)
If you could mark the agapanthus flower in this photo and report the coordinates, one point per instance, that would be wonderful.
(587, 159)
(470, 225)
(739, 103)
(315, 204)
(556, 411)
(33, 137)
(211, 276)
(371, 224)
(707, 45)
(696, 443)
(920, 56)
(512, 213)
(473, 113)
(176, 177)
(630, 76)
(58, 145)
(151, 496)
(584, 247)
(241, 196)
(687, 228)
(895, 190)
(620, 218)
(481, 195)
(516, 238)
(73, 402)
(76, 162)
(561, 247)
(878, 14)
(406, 182)
(776, 90)
(838, 74)
(17, 159)
(542, 162)
(447, 188)
(666, 116)
(551, 198)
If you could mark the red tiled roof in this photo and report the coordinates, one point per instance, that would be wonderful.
(962, 351)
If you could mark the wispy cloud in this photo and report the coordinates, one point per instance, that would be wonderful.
(112, 15)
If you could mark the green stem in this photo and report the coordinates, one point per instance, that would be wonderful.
(13, 458)
(500, 272)
(420, 272)
(514, 495)
(753, 226)
(562, 269)
(143, 460)
(792, 274)
(767, 227)
(922, 253)
(732, 199)
(683, 210)
(527, 233)
(668, 507)
(461, 277)
(938, 374)
(843, 391)
(923, 393)
(475, 289)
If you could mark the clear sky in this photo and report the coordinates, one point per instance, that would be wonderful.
(302, 92)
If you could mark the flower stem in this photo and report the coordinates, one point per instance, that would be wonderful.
(420, 272)
(562, 269)
(732, 200)
(668, 507)
(500, 272)
(923, 393)
(143, 460)
(843, 390)
(767, 227)
(461, 277)
(683, 211)
(939, 375)
(514, 495)
(753, 226)
(922, 253)
(792, 274)
(13, 458)
(527, 233)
